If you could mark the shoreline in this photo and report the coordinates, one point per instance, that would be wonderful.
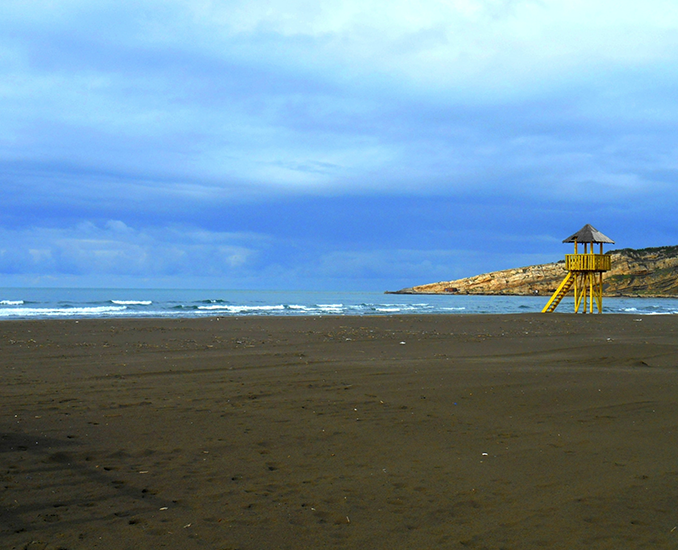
(524, 295)
(451, 431)
(107, 304)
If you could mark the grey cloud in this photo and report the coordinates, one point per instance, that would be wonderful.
(157, 116)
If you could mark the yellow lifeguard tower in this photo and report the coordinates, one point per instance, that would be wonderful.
(584, 272)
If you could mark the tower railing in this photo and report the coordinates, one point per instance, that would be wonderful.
(588, 262)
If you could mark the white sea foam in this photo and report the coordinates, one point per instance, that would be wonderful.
(11, 302)
(331, 309)
(241, 309)
(132, 302)
(61, 312)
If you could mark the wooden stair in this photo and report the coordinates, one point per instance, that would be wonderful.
(560, 293)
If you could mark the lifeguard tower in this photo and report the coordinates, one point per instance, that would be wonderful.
(584, 272)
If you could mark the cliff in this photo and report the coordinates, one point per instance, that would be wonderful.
(644, 272)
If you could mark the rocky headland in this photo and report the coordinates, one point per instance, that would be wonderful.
(647, 272)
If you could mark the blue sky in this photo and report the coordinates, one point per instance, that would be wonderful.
(328, 145)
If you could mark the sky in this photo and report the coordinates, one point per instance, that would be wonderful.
(324, 145)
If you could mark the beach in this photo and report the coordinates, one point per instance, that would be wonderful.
(410, 431)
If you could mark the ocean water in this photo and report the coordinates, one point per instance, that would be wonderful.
(43, 303)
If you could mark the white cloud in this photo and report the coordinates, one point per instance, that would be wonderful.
(116, 248)
(450, 44)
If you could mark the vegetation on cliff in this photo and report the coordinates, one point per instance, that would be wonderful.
(635, 272)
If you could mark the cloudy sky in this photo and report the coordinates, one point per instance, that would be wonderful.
(316, 144)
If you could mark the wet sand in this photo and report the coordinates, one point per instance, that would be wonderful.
(494, 432)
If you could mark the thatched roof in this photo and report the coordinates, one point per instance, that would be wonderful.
(588, 234)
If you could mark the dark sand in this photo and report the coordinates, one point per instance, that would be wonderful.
(498, 432)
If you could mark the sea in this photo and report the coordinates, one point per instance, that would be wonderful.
(93, 303)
